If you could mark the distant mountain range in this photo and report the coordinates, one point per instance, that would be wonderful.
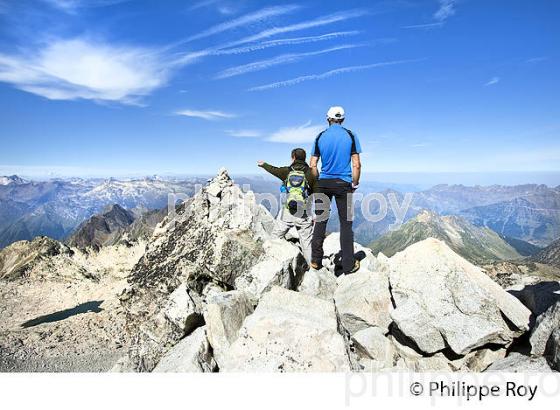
(528, 213)
(478, 245)
(519, 218)
(55, 208)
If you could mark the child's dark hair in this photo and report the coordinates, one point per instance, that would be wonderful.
(299, 154)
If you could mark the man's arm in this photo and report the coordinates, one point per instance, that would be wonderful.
(281, 172)
(356, 169)
(313, 165)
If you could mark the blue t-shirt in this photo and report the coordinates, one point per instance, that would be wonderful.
(335, 146)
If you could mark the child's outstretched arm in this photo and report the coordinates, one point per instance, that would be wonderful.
(278, 172)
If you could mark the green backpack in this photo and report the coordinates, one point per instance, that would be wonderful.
(297, 190)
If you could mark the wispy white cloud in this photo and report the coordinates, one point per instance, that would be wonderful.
(536, 60)
(223, 7)
(205, 114)
(202, 4)
(86, 68)
(244, 133)
(278, 60)
(226, 48)
(232, 47)
(446, 9)
(297, 134)
(328, 74)
(247, 19)
(80, 68)
(304, 25)
(289, 42)
(492, 81)
(419, 145)
(71, 6)
(426, 26)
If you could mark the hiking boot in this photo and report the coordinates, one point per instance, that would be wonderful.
(316, 265)
(356, 267)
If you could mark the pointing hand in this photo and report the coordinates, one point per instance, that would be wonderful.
(260, 163)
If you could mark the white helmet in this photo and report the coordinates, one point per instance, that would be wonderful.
(335, 113)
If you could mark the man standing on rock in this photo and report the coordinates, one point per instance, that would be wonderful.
(298, 184)
(339, 150)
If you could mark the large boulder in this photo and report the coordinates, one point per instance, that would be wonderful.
(288, 331)
(544, 327)
(442, 300)
(225, 313)
(363, 300)
(192, 354)
(282, 264)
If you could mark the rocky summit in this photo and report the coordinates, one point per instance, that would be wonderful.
(215, 292)
(212, 291)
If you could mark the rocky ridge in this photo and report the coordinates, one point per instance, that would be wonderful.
(214, 292)
(103, 229)
(549, 255)
(478, 245)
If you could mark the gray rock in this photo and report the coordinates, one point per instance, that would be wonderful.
(318, 283)
(181, 310)
(331, 247)
(280, 265)
(435, 363)
(289, 331)
(411, 360)
(225, 313)
(217, 184)
(363, 300)
(413, 320)
(404, 351)
(518, 363)
(371, 343)
(545, 325)
(442, 299)
(481, 359)
(192, 354)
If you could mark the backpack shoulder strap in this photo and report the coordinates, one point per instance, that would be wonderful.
(290, 170)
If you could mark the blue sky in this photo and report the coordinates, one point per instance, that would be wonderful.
(108, 87)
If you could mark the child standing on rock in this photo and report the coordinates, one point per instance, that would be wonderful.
(299, 183)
